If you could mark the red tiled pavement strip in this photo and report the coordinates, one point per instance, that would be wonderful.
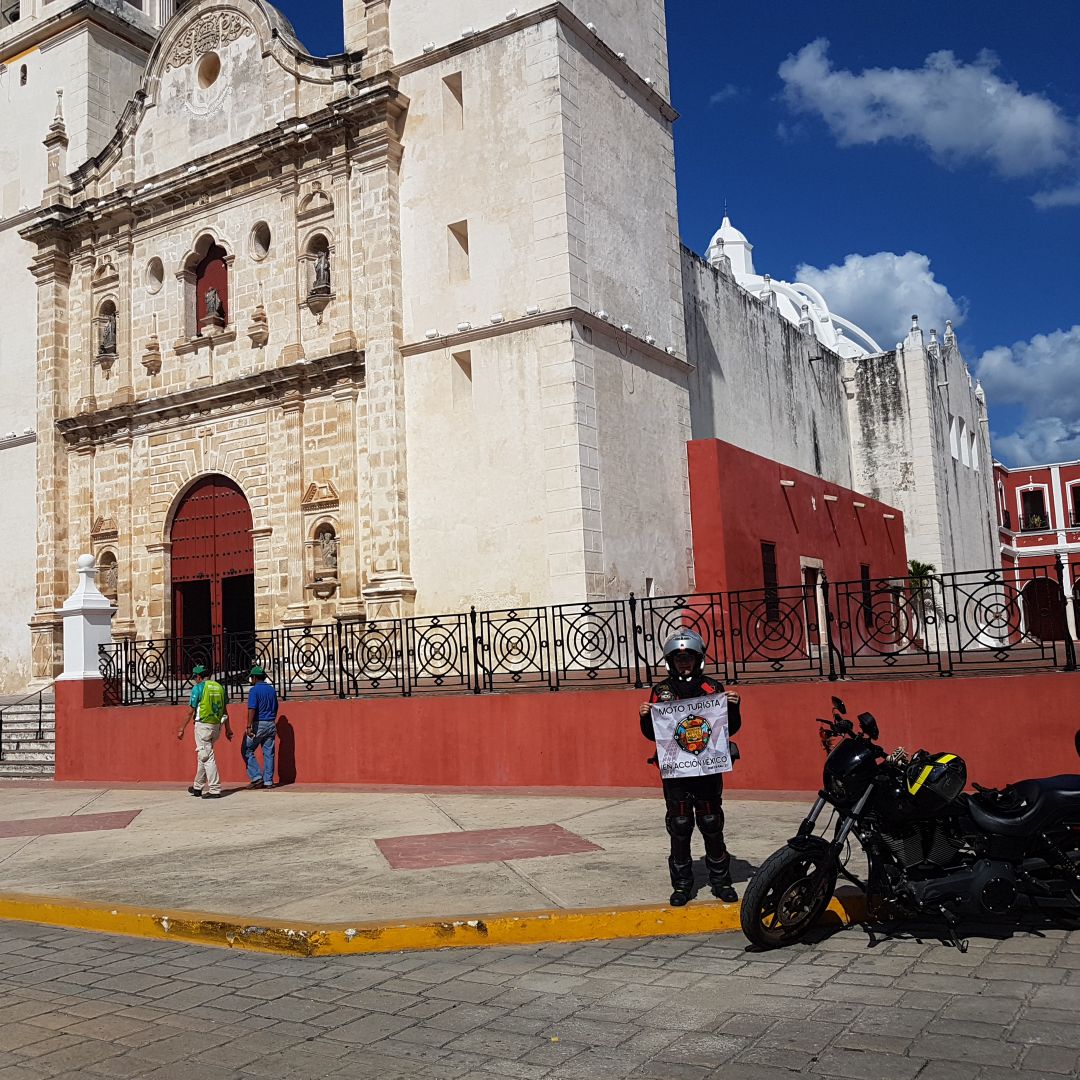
(73, 823)
(481, 846)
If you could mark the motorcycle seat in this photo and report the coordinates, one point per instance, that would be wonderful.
(1039, 801)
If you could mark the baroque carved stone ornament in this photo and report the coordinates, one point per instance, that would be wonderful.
(207, 34)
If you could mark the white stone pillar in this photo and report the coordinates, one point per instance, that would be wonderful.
(87, 615)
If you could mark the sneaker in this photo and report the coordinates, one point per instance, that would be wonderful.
(267, 787)
(255, 784)
(197, 792)
(726, 893)
(213, 795)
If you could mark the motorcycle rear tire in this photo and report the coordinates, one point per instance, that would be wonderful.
(787, 896)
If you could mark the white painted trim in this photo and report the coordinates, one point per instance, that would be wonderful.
(1059, 510)
(1068, 498)
(1045, 488)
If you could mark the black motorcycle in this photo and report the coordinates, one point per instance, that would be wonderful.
(932, 851)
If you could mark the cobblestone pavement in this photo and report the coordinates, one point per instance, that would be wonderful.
(86, 1006)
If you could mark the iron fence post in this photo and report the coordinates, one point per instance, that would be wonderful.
(731, 671)
(1070, 648)
(476, 649)
(632, 602)
(828, 619)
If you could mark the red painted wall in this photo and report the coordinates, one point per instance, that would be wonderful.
(737, 502)
(1006, 727)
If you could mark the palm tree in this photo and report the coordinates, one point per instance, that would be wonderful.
(921, 584)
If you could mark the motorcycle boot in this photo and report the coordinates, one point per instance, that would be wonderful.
(682, 881)
(720, 879)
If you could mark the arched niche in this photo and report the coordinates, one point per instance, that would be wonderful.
(206, 274)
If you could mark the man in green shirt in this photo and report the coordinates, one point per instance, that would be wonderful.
(207, 704)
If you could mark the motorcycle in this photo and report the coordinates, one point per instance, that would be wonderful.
(932, 851)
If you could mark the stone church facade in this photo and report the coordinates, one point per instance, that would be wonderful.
(388, 333)
(284, 278)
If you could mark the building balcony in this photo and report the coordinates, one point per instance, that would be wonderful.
(1035, 523)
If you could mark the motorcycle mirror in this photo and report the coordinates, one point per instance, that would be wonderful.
(869, 725)
(839, 706)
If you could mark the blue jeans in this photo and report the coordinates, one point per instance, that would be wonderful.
(265, 734)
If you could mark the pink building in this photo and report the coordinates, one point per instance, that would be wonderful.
(1038, 513)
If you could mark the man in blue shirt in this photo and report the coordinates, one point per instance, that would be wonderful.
(261, 730)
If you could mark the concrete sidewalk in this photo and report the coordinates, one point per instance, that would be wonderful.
(359, 855)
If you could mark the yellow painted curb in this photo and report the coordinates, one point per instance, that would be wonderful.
(343, 939)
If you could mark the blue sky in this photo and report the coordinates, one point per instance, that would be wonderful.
(846, 134)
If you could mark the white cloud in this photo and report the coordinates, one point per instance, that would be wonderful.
(725, 93)
(1039, 376)
(1056, 197)
(959, 112)
(881, 292)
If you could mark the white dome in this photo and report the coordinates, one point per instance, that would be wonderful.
(727, 240)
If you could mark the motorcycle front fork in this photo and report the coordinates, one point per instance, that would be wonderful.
(843, 831)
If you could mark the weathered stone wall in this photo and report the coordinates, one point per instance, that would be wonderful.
(920, 442)
(754, 384)
(98, 70)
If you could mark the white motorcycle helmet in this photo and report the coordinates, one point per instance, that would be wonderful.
(686, 643)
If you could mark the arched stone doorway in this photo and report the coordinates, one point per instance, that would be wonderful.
(213, 561)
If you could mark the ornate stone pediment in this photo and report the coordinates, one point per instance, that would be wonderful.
(208, 34)
(320, 495)
(104, 528)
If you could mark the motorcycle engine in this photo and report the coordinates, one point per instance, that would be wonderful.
(924, 843)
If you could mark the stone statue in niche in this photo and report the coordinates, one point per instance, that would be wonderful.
(328, 549)
(107, 344)
(212, 301)
(109, 577)
(322, 273)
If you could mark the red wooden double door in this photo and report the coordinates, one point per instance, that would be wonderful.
(213, 561)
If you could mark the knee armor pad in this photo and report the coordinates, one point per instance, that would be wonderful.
(711, 824)
(681, 825)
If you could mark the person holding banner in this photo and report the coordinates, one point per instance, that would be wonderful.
(690, 718)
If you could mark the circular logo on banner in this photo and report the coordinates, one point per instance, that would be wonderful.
(692, 734)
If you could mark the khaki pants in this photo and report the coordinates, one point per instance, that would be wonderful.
(206, 775)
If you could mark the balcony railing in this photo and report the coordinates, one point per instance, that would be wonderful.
(1035, 523)
(975, 621)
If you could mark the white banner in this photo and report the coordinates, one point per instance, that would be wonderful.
(692, 736)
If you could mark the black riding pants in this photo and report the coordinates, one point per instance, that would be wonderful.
(699, 798)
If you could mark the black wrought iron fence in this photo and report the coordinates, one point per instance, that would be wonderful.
(942, 624)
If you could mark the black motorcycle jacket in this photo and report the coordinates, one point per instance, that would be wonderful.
(698, 686)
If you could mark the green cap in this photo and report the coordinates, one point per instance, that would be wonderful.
(199, 669)
(257, 670)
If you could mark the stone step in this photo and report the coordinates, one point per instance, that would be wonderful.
(37, 753)
(32, 770)
(24, 728)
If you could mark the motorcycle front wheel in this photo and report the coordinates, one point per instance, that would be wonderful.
(787, 896)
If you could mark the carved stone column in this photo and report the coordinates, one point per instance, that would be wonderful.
(159, 609)
(52, 270)
(350, 602)
(292, 410)
(124, 623)
(264, 599)
(389, 591)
